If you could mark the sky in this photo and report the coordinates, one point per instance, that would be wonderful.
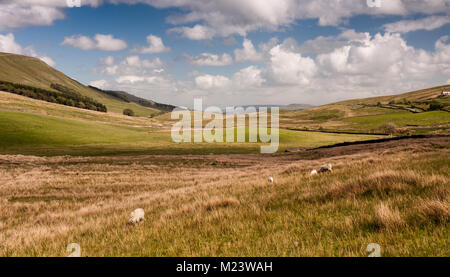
(237, 52)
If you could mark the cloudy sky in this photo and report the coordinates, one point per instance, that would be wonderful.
(237, 52)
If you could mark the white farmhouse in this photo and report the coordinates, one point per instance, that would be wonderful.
(446, 92)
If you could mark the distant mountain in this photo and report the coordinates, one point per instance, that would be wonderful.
(33, 72)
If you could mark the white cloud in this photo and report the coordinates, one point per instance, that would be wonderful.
(247, 53)
(427, 23)
(227, 17)
(9, 45)
(357, 67)
(14, 15)
(136, 61)
(47, 60)
(100, 42)
(198, 32)
(291, 68)
(248, 77)
(212, 81)
(101, 84)
(208, 59)
(130, 65)
(108, 60)
(155, 45)
(129, 79)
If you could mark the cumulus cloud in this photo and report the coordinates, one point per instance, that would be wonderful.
(385, 62)
(101, 84)
(9, 45)
(130, 65)
(228, 17)
(15, 14)
(291, 68)
(208, 81)
(198, 32)
(427, 23)
(155, 45)
(248, 52)
(100, 42)
(360, 65)
(248, 77)
(208, 59)
(136, 61)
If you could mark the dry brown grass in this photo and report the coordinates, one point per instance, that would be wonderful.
(388, 218)
(436, 210)
(222, 205)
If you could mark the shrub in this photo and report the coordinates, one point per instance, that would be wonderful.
(389, 128)
(435, 106)
(128, 112)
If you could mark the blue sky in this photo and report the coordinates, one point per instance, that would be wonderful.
(236, 53)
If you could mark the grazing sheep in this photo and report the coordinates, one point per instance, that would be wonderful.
(313, 172)
(325, 168)
(270, 180)
(136, 216)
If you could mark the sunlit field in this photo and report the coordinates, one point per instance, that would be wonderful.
(395, 194)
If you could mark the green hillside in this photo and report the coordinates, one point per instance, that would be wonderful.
(416, 112)
(34, 72)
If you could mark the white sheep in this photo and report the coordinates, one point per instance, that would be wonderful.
(136, 216)
(270, 180)
(326, 168)
(313, 172)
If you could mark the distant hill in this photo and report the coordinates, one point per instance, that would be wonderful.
(421, 111)
(296, 107)
(126, 97)
(290, 107)
(33, 72)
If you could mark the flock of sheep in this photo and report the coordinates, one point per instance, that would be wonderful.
(137, 215)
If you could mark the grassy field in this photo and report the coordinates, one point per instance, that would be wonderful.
(401, 119)
(395, 194)
(37, 134)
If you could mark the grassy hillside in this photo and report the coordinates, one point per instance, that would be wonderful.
(34, 72)
(411, 112)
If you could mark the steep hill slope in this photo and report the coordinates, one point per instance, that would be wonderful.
(125, 96)
(33, 72)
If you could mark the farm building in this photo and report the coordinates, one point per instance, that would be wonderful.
(446, 92)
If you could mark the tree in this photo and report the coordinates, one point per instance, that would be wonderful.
(128, 112)
(435, 106)
(389, 128)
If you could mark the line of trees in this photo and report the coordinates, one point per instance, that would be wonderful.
(112, 93)
(63, 95)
